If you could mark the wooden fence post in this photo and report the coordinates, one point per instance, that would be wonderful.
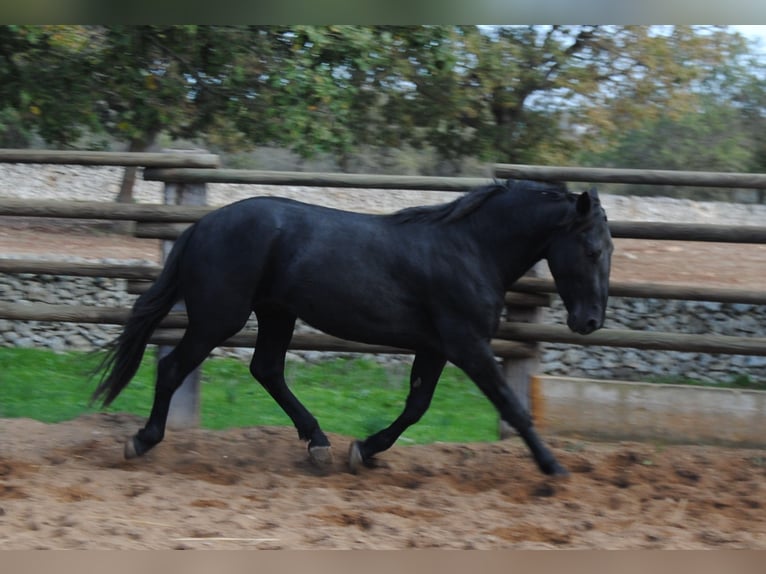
(519, 371)
(185, 405)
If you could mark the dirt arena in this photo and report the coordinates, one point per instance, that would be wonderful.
(67, 486)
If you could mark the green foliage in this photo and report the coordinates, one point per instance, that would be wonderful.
(13, 133)
(41, 71)
(499, 94)
(715, 138)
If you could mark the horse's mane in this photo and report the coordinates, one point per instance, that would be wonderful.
(473, 200)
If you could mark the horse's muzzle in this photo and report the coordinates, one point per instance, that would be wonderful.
(586, 324)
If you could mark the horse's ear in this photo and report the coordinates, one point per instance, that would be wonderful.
(584, 203)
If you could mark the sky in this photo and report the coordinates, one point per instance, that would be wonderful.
(755, 32)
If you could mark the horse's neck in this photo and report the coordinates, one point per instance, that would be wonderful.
(518, 236)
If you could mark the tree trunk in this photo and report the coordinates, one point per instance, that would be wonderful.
(126, 187)
(125, 194)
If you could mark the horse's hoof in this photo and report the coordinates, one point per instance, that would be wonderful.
(355, 458)
(555, 470)
(321, 456)
(130, 449)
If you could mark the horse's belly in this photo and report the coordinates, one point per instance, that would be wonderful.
(381, 324)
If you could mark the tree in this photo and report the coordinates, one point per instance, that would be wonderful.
(508, 94)
(712, 139)
(39, 87)
(718, 125)
(511, 93)
(130, 82)
(748, 95)
(753, 111)
(153, 79)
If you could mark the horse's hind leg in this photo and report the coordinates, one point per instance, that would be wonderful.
(426, 370)
(275, 329)
(196, 344)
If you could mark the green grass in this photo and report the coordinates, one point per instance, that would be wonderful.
(733, 382)
(350, 397)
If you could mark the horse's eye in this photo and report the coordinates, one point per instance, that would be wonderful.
(593, 254)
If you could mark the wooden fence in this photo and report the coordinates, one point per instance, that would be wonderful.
(516, 341)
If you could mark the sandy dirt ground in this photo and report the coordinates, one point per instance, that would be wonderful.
(67, 485)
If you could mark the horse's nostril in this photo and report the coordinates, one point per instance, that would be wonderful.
(591, 325)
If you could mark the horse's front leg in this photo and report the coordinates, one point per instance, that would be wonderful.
(426, 369)
(475, 357)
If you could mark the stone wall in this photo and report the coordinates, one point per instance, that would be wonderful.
(30, 288)
(691, 317)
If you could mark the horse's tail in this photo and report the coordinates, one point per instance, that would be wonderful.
(124, 353)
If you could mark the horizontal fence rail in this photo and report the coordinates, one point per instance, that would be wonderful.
(705, 232)
(687, 232)
(656, 291)
(639, 176)
(344, 180)
(108, 158)
(80, 269)
(110, 211)
(177, 320)
(653, 340)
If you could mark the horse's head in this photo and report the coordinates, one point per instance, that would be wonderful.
(580, 258)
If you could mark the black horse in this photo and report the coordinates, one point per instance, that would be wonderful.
(431, 279)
